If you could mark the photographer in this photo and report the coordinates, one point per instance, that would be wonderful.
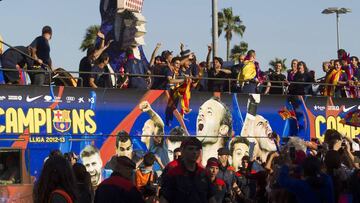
(146, 178)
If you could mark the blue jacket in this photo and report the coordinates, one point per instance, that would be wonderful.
(303, 191)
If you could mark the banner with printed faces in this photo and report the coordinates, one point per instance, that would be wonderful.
(86, 121)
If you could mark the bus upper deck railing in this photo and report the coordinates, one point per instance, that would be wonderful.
(230, 81)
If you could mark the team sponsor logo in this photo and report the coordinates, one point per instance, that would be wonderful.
(14, 97)
(70, 99)
(348, 109)
(81, 100)
(31, 99)
(319, 108)
(2, 98)
(48, 98)
(333, 108)
(91, 100)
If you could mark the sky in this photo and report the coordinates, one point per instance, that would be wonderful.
(276, 28)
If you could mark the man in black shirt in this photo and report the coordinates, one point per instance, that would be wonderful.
(188, 182)
(87, 63)
(40, 49)
(99, 76)
(119, 187)
(11, 59)
(276, 80)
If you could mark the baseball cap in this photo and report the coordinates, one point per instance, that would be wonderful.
(119, 163)
(186, 53)
(191, 141)
(223, 151)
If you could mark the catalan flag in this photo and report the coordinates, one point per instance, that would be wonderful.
(286, 114)
(180, 93)
(184, 93)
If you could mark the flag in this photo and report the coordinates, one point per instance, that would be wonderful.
(180, 93)
(352, 118)
(286, 114)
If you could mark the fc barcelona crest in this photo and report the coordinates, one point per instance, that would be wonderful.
(62, 121)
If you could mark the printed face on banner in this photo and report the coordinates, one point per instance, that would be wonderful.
(93, 165)
(147, 131)
(208, 123)
(125, 149)
(240, 150)
(263, 129)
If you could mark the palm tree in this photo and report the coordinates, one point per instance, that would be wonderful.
(90, 37)
(238, 50)
(272, 63)
(230, 24)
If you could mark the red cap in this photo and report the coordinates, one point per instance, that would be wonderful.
(212, 162)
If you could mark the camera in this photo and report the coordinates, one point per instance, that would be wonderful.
(320, 147)
(343, 144)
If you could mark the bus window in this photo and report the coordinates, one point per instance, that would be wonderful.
(10, 169)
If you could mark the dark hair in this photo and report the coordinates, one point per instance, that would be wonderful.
(91, 50)
(55, 152)
(341, 52)
(292, 61)
(177, 134)
(69, 156)
(82, 176)
(149, 159)
(177, 150)
(202, 64)
(354, 57)
(158, 58)
(191, 141)
(102, 58)
(221, 61)
(304, 64)
(56, 174)
(173, 60)
(331, 137)
(246, 157)
(238, 140)
(250, 52)
(46, 29)
(122, 136)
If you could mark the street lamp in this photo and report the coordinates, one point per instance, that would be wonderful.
(338, 11)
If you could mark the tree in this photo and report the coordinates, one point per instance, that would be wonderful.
(238, 50)
(230, 24)
(272, 63)
(90, 37)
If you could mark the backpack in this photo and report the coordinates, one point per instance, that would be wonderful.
(150, 189)
(63, 193)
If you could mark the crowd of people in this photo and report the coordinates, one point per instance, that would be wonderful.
(297, 171)
(170, 71)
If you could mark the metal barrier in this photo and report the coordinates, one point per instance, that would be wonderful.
(230, 81)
